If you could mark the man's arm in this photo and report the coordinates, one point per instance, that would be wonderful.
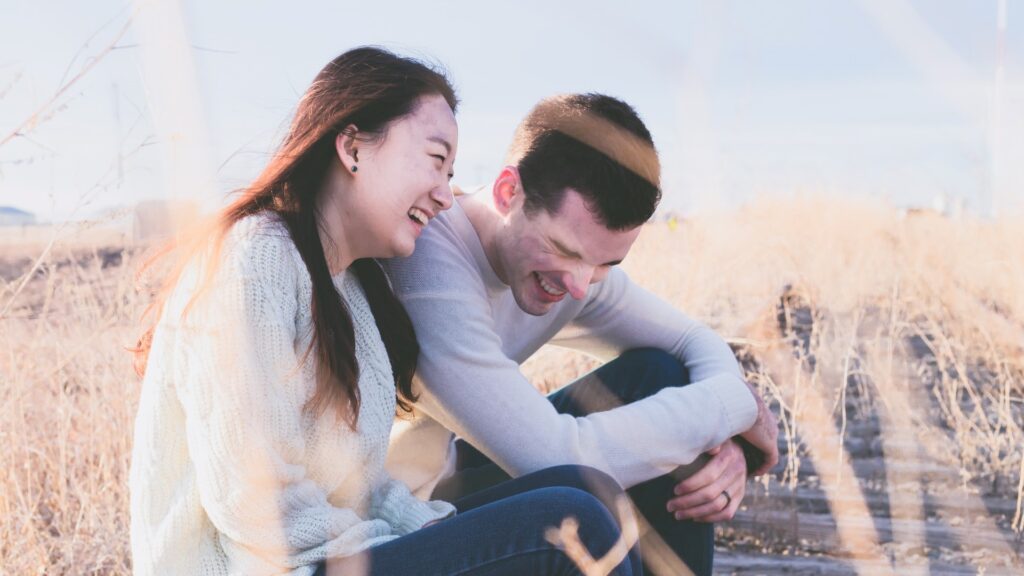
(473, 389)
(619, 315)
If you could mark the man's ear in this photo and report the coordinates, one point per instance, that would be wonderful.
(507, 189)
(346, 146)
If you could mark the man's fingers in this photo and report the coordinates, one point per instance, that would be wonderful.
(736, 494)
(706, 475)
(712, 506)
(695, 500)
(703, 501)
(726, 459)
(721, 516)
(722, 507)
(709, 500)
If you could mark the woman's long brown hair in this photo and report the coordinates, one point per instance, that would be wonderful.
(367, 87)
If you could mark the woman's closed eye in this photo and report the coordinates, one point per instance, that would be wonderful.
(443, 159)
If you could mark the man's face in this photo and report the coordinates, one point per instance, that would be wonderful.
(545, 257)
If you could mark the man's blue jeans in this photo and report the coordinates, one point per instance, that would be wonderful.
(499, 531)
(634, 375)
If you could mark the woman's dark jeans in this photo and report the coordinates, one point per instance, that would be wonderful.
(634, 375)
(500, 531)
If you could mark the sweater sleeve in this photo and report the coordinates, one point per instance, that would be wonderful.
(242, 397)
(471, 387)
(620, 315)
(404, 512)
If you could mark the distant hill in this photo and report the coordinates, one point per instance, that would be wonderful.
(11, 216)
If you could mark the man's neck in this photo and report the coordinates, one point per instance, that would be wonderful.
(487, 224)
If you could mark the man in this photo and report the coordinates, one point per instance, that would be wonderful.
(497, 277)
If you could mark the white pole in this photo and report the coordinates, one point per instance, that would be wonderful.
(175, 104)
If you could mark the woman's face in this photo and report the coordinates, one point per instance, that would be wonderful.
(402, 180)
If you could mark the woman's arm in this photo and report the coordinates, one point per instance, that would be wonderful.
(406, 513)
(241, 388)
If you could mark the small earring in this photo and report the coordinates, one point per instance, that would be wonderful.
(355, 168)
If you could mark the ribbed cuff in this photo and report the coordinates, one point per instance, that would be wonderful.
(422, 512)
(738, 405)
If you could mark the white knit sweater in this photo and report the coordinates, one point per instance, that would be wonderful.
(228, 475)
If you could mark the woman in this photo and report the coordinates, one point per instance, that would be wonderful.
(271, 372)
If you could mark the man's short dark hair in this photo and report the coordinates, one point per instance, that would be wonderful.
(594, 144)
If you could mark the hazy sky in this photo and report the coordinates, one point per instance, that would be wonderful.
(886, 98)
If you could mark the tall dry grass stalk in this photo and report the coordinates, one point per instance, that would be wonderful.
(67, 403)
(916, 321)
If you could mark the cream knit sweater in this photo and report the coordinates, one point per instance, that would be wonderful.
(228, 475)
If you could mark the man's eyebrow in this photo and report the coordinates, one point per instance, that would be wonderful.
(573, 254)
(442, 142)
(562, 248)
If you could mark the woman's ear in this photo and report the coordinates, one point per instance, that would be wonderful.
(346, 146)
(506, 189)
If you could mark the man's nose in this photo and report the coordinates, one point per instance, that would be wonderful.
(578, 281)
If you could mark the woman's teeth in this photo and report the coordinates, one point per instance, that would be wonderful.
(419, 216)
(549, 288)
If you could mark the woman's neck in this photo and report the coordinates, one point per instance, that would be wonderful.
(338, 228)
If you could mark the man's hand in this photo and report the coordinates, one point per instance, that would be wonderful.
(763, 435)
(713, 493)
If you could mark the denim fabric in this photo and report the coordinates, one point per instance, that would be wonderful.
(634, 375)
(500, 531)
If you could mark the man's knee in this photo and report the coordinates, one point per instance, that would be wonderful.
(659, 368)
(565, 501)
(599, 530)
(583, 478)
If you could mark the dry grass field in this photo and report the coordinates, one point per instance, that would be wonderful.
(891, 348)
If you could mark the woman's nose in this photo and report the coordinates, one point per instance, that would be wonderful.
(443, 196)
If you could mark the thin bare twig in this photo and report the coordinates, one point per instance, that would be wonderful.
(10, 85)
(33, 118)
(1018, 517)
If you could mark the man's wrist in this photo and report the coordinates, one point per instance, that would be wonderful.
(754, 457)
